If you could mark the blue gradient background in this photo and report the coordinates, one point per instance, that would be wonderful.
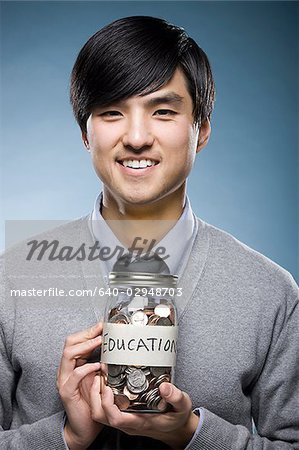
(245, 181)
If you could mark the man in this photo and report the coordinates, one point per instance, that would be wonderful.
(142, 93)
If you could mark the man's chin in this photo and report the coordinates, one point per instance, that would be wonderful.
(140, 199)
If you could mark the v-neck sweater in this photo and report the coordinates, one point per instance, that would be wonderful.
(238, 347)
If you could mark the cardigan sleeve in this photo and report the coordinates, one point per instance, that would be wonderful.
(43, 434)
(274, 396)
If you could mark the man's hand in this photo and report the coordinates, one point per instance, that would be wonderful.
(80, 430)
(174, 428)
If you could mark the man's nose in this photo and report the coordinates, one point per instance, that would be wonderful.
(138, 134)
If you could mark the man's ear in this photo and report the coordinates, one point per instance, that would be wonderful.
(204, 135)
(85, 140)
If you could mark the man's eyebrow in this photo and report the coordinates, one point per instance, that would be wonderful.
(170, 97)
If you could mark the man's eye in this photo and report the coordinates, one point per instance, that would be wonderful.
(164, 112)
(110, 114)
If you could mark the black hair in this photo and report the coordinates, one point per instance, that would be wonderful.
(136, 56)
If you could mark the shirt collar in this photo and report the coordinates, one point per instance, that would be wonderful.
(177, 242)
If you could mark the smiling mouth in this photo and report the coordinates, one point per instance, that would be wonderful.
(138, 164)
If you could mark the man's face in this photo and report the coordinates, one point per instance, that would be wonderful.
(143, 148)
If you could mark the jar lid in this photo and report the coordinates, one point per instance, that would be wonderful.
(142, 279)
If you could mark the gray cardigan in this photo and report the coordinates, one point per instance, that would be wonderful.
(238, 350)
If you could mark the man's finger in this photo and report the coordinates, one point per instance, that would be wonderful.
(76, 377)
(117, 418)
(73, 353)
(97, 412)
(84, 335)
(178, 399)
(83, 349)
(108, 399)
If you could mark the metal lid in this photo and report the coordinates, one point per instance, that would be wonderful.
(142, 279)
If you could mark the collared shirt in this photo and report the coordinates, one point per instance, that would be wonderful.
(177, 242)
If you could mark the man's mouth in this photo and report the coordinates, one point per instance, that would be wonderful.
(138, 164)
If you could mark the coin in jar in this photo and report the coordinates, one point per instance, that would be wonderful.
(164, 321)
(136, 378)
(139, 318)
(116, 391)
(120, 319)
(153, 397)
(162, 310)
(153, 319)
(116, 381)
(138, 389)
(157, 371)
(129, 394)
(121, 401)
(115, 370)
(137, 382)
(165, 378)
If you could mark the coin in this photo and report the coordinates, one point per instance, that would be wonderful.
(120, 319)
(117, 391)
(165, 378)
(129, 394)
(162, 310)
(116, 381)
(136, 378)
(148, 311)
(137, 381)
(153, 397)
(121, 401)
(164, 321)
(115, 370)
(138, 406)
(146, 371)
(139, 318)
(139, 389)
(112, 312)
(152, 320)
(129, 369)
(157, 371)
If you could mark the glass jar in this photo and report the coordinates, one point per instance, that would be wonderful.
(140, 339)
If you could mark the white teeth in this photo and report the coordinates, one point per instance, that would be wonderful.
(135, 164)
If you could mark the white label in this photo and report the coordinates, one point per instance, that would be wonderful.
(143, 346)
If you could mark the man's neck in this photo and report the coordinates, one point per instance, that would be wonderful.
(150, 222)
